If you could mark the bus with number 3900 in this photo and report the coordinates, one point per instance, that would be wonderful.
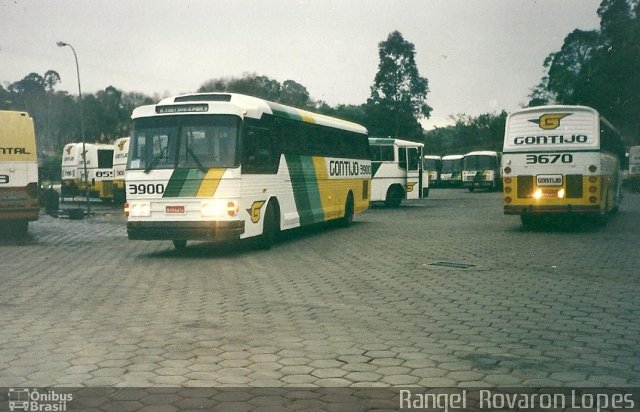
(223, 166)
(560, 160)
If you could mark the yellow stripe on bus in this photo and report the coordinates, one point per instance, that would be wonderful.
(210, 182)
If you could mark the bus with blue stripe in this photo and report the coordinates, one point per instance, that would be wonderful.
(223, 166)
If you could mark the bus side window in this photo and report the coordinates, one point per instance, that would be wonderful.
(386, 153)
(402, 158)
(414, 158)
(258, 155)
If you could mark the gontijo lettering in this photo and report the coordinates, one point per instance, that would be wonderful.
(343, 168)
(552, 139)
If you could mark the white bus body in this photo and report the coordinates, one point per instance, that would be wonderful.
(560, 160)
(481, 170)
(18, 172)
(431, 166)
(396, 170)
(120, 155)
(451, 170)
(223, 166)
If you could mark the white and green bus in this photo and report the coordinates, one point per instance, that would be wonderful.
(99, 166)
(431, 165)
(396, 170)
(451, 170)
(633, 178)
(481, 170)
(18, 172)
(561, 160)
(223, 166)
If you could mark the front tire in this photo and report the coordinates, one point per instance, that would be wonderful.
(180, 245)
(270, 228)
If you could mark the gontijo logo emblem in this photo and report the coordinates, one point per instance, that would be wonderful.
(121, 145)
(550, 121)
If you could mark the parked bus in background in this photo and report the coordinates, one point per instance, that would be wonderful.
(451, 170)
(222, 166)
(99, 170)
(481, 170)
(396, 170)
(18, 172)
(633, 178)
(120, 154)
(561, 160)
(71, 156)
(431, 166)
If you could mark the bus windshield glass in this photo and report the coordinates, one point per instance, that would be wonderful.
(451, 166)
(479, 162)
(184, 141)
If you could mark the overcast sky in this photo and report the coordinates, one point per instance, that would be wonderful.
(479, 55)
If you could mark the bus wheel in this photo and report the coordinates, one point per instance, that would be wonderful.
(394, 197)
(348, 212)
(180, 244)
(270, 228)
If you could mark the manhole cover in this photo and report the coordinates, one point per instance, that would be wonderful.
(454, 265)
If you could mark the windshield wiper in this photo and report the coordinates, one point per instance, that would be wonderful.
(195, 158)
(155, 160)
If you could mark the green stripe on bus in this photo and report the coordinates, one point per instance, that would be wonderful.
(184, 183)
(192, 183)
(305, 189)
(374, 168)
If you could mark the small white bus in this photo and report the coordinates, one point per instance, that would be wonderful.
(396, 170)
(481, 170)
(120, 155)
(18, 172)
(431, 165)
(451, 170)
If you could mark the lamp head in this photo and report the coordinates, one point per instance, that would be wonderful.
(61, 44)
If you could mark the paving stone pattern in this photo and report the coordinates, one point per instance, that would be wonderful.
(81, 305)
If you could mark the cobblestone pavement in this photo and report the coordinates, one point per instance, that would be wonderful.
(441, 292)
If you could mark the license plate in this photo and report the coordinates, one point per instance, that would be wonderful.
(174, 210)
(549, 180)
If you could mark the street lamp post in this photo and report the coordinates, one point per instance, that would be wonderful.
(84, 152)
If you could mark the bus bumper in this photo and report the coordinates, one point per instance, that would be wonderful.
(551, 209)
(209, 231)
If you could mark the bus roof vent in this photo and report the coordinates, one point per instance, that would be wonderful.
(209, 97)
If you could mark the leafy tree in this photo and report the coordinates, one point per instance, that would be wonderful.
(399, 94)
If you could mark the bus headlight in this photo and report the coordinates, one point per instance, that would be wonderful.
(139, 209)
(561, 193)
(219, 208)
(537, 194)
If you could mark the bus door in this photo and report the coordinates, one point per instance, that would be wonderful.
(412, 163)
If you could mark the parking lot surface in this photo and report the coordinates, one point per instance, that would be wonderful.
(444, 291)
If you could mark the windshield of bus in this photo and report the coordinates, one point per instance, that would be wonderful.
(430, 164)
(184, 141)
(480, 162)
(451, 166)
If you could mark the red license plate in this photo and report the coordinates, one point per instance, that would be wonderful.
(174, 209)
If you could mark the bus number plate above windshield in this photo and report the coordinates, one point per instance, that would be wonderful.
(533, 159)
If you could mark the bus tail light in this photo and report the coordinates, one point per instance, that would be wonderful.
(507, 199)
(507, 170)
(507, 180)
(507, 189)
(592, 189)
(593, 168)
(593, 179)
(593, 199)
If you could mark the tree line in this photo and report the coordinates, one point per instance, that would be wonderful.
(596, 68)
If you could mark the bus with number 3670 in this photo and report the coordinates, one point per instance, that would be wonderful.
(223, 166)
(561, 160)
